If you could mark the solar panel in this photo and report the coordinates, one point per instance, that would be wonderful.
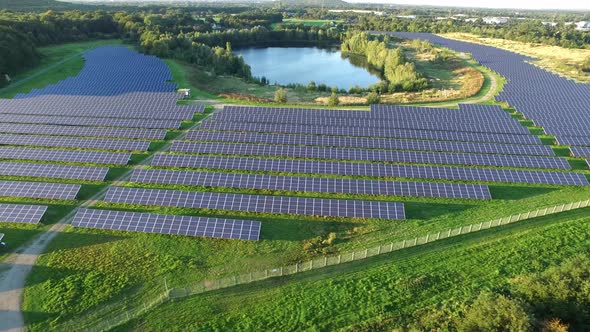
(53, 171)
(75, 142)
(88, 121)
(38, 190)
(310, 184)
(256, 203)
(370, 155)
(168, 224)
(18, 213)
(574, 140)
(580, 151)
(82, 131)
(371, 143)
(93, 157)
(369, 169)
(429, 123)
(370, 132)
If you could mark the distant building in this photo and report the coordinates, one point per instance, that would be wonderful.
(549, 24)
(358, 11)
(411, 17)
(185, 93)
(495, 20)
(583, 26)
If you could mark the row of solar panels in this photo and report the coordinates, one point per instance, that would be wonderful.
(553, 102)
(140, 222)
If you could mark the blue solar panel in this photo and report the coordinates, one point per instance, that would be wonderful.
(368, 169)
(545, 97)
(257, 203)
(371, 143)
(311, 184)
(371, 132)
(168, 224)
(371, 155)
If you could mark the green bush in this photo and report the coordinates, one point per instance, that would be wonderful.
(281, 96)
(333, 100)
(494, 312)
(373, 98)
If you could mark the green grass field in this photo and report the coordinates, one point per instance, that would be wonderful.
(420, 288)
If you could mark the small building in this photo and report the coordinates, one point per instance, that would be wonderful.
(495, 20)
(549, 24)
(185, 93)
(583, 26)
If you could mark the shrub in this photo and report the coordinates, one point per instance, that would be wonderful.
(373, 98)
(333, 100)
(494, 312)
(281, 96)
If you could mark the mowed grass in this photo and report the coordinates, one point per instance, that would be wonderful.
(87, 268)
(50, 56)
(422, 288)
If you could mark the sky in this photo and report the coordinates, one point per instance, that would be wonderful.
(520, 4)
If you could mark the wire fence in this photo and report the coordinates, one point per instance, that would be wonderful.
(117, 314)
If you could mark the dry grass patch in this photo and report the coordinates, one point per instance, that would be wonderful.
(564, 61)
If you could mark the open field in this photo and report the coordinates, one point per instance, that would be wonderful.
(421, 288)
(564, 61)
(294, 21)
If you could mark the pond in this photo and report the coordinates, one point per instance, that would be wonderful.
(284, 65)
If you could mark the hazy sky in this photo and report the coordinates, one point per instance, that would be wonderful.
(525, 4)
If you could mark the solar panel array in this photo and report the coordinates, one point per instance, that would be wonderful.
(371, 143)
(168, 224)
(370, 132)
(371, 155)
(38, 190)
(73, 156)
(557, 104)
(83, 131)
(74, 142)
(87, 121)
(19, 213)
(257, 203)
(86, 173)
(580, 151)
(367, 169)
(311, 184)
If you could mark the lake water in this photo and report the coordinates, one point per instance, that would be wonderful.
(302, 65)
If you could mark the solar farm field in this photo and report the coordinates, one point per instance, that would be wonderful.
(149, 189)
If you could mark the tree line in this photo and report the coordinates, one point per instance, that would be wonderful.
(401, 75)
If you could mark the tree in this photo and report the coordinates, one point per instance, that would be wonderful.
(311, 86)
(494, 312)
(333, 100)
(281, 96)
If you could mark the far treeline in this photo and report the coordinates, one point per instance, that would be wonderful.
(173, 33)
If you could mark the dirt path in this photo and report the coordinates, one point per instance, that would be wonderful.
(12, 281)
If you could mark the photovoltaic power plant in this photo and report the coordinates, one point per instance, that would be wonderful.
(87, 173)
(75, 142)
(371, 155)
(312, 184)
(256, 203)
(370, 143)
(39, 190)
(368, 169)
(19, 213)
(168, 224)
(553, 102)
(74, 156)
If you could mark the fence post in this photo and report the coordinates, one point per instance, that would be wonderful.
(352, 255)
(379, 250)
(391, 246)
(250, 277)
(325, 260)
(281, 271)
(339, 258)
(311, 264)
(470, 228)
(460, 230)
(449, 234)
(415, 241)
(366, 252)
(437, 236)
(427, 237)
(265, 274)
(404, 244)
